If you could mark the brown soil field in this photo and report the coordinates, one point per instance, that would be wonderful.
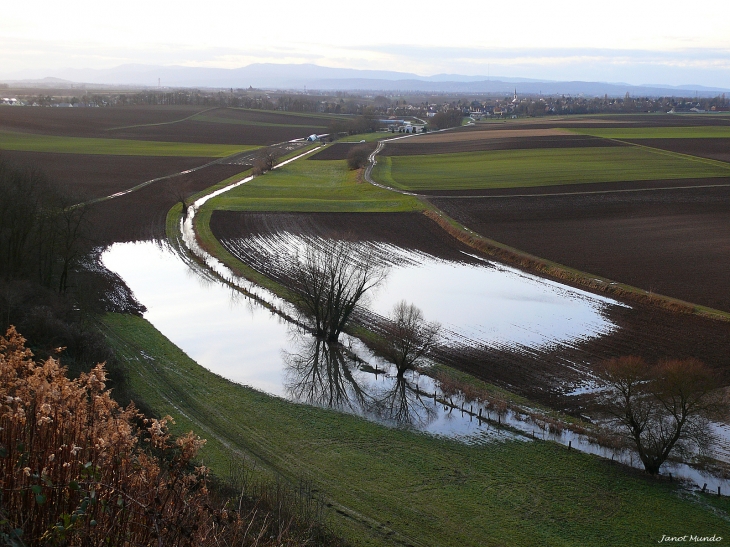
(89, 176)
(140, 215)
(339, 150)
(672, 242)
(580, 188)
(467, 134)
(266, 116)
(713, 148)
(408, 147)
(608, 120)
(110, 123)
(546, 376)
(87, 122)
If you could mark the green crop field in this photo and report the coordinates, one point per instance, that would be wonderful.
(709, 131)
(540, 167)
(114, 147)
(395, 487)
(313, 186)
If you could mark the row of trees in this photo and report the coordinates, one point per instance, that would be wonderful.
(42, 235)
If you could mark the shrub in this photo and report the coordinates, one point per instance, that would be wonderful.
(358, 156)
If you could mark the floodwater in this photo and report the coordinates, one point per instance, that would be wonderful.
(240, 339)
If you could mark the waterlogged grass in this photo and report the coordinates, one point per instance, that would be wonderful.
(309, 186)
(540, 167)
(29, 142)
(657, 132)
(395, 487)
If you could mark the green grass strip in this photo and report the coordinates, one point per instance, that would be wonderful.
(29, 142)
(398, 487)
(539, 167)
(702, 132)
(309, 186)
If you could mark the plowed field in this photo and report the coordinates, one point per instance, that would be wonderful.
(141, 214)
(673, 242)
(339, 150)
(162, 123)
(93, 175)
(417, 146)
(716, 149)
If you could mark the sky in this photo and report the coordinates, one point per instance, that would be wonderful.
(636, 42)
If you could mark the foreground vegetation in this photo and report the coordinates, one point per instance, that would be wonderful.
(77, 469)
(539, 167)
(494, 493)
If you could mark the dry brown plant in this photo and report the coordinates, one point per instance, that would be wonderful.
(77, 469)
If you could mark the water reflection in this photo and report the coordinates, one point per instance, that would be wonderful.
(335, 376)
(403, 404)
(321, 373)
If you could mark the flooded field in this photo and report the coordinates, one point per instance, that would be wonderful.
(242, 340)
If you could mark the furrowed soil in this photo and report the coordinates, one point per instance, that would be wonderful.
(672, 242)
(544, 376)
(140, 215)
(610, 120)
(88, 176)
(407, 147)
(162, 123)
(339, 150)
(715, 148)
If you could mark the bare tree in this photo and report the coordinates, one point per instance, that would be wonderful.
(330, 279)
(663, 408)
(408, 337)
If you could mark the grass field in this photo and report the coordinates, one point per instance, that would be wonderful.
(115, 147)
(392, 486)
(657, 132)
(539, 167)
(312, 186)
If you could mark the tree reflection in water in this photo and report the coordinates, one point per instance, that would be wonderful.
(321, 373)
(403, 405)
(332, 376)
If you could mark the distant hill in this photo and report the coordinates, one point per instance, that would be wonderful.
(299, 76)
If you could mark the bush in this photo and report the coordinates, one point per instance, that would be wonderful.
(358, 156)
(77, 469)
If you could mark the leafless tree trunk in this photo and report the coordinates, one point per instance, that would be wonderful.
(663, 408)
(330, 280)
(408, 337)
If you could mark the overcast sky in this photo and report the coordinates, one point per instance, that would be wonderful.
(637, 42)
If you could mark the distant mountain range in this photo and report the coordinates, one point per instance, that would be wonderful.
(314, 77)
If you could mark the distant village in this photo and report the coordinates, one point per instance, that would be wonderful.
(389, 107)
